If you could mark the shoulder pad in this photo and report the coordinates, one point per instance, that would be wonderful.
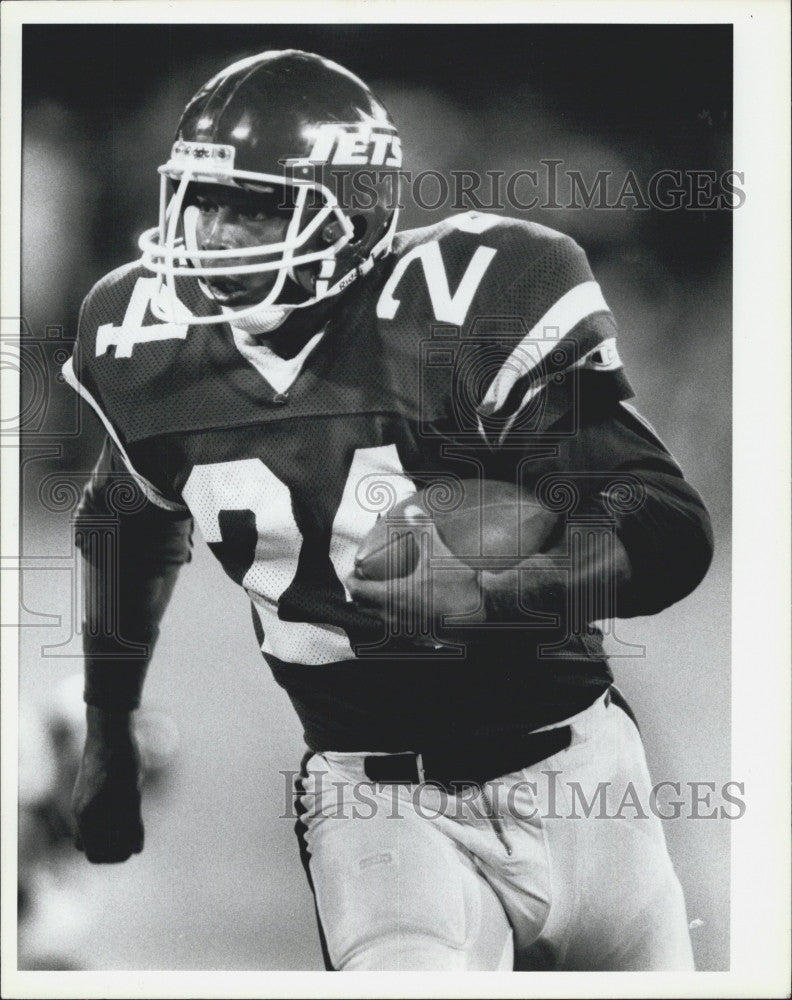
(151, 378)
(476, 265)
(496, 230)
(116, 318)
(516, 307)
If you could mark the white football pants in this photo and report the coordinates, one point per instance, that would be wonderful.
(550, 867)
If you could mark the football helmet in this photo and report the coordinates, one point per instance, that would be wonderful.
(289, 122)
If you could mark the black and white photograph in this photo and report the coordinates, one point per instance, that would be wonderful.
(395, 499)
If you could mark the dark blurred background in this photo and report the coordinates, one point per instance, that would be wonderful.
(219, 884)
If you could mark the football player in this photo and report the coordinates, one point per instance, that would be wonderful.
(282, 367)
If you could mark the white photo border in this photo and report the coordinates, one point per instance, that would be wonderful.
(760, 912)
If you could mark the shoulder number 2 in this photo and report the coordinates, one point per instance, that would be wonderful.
(447, 308)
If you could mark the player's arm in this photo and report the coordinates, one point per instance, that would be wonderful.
(564, 382)
(638, 540)
(126, 589)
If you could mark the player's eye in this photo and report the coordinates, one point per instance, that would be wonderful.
(255, 214)
(205, 205)
(264, 209)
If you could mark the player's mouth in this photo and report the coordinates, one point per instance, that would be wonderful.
(227, 290)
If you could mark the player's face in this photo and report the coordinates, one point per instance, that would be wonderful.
(229, 218)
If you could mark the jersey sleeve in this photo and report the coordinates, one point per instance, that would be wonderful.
(553, 349)
(78, 373)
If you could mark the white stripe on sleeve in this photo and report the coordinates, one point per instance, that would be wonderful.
(563, 316)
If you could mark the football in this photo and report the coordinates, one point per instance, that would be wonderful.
(485, 523)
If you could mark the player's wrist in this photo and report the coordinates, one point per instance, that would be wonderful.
(104, 723)
(112, 684)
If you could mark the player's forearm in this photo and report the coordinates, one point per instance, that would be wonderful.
(622, 564)
(130, 562)
(635, 492)
(120, 630)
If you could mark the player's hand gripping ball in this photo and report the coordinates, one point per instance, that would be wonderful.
(422, 563)
(486, 524)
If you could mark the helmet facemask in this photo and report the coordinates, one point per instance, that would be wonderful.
(171, 249)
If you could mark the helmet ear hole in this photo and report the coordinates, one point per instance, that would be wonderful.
(332, 232)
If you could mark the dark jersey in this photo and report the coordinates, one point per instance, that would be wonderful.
(480, 347)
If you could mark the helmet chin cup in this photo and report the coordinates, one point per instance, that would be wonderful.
(300, 122)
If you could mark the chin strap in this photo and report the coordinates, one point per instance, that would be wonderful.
(262, 320)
